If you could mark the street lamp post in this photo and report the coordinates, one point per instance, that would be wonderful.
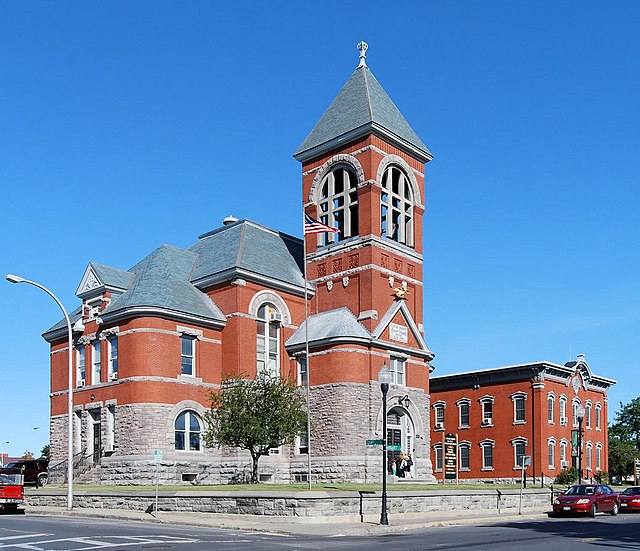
(580, 411)
(384, 377)
(16, 279)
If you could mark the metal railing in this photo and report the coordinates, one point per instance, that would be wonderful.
(81, 464)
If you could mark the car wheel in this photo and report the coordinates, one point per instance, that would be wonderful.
(614, 511)
(594, 509)
(43, 478)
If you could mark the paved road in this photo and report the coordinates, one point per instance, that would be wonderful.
(47, 533)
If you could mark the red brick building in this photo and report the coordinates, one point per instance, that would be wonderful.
(502, 414)
(156, 338)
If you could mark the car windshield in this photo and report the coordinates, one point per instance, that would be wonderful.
(11, 465)
(580, 491)
(11, 479)
(635, 491)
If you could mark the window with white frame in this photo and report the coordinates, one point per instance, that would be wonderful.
(465, 456)
(464, 406)
(563, 454)
(598, 457)
(438, 414)
(519, 450)
(519, 411)
(396, 206)
(587, 414)
(302, 443)
(96, 360)
(486, 403)
(302, 371)
(598, 416)
(397, 366)
(80, 366)
(188, 355)
(487, 454)
(551, 446)
(338, 204)
(551, 405)
(574, 411)
(588, 456)
(268, 339)
(188, 430)
(563, 411)
(437, 450)
(112, 353)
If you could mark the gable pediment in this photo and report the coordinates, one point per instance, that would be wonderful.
(91, 285)
(398, 327)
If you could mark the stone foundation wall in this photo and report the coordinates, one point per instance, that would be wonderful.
(348, 505)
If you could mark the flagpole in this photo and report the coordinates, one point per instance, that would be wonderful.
(306, 339)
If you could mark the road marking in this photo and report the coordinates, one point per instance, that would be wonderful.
(30, 535)
(88, 543)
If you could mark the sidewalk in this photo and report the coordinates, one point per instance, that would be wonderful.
(302, 526)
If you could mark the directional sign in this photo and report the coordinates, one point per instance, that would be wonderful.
(394, 448)
(374, 442)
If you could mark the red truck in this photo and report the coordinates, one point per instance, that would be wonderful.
(11, 491)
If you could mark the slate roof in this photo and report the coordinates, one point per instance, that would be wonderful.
(247, 249)
(62, 324)
(361, 106)
(162, 282)
(112, 277)
(331, 325)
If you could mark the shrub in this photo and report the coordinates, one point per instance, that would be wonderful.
(567, 476)
(601, 477)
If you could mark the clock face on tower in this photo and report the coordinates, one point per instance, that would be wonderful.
(576, 384)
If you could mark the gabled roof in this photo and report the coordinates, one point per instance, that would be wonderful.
(331, 326)
(244, 249)
(161, 285)
(401, 306)
(361, 107)
(98, 278)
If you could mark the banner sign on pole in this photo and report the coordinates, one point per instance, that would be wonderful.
(450, 443)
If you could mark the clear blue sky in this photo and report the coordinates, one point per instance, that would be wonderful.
(126, 125)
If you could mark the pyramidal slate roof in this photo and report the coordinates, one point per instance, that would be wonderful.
(335, 324)
(361, 107)
(112, 277)
(245, 249)
(162, 282)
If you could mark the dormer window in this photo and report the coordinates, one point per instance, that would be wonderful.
(396, 206)
(338, 204)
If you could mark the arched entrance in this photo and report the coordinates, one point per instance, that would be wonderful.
(400, 432)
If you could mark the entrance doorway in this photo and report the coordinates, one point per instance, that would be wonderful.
(96, 434)
(400, 432)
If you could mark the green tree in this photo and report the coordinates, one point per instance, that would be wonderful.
(627, 423)
(255, 415)
(621, 455)
(45, 451)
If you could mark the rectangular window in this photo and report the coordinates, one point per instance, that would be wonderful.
(550, 404)
(597, 418)
(97, 362)
(520, 450)
(439, 414)
(464, 414)
(465, 463)
(487, 456)
(302, 372)
(112, 349)
(188, 349)
(587, 416)
(598, 458)
(552, 453)
(563, 452)
(519, 409)
(588, 454)
(81, 366)
(303, 443)
(563, 411)
(487, 413)
(111, 428)
(438, 452)
(397, 368)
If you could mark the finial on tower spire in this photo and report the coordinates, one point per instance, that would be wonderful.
(362, 46)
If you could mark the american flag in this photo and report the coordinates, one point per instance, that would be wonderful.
(314, 226)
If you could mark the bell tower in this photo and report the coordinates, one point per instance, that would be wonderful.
(363, 172)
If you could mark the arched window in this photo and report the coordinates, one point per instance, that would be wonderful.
(464, 406)
(519, 450)
(396, 206)
(519, 411)
(465, 455)
(487, 446)
(338, 204)
(268, 339)
(551, 443)
(551, 403)
(188, 431)
(563, 410)
(588, 456)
